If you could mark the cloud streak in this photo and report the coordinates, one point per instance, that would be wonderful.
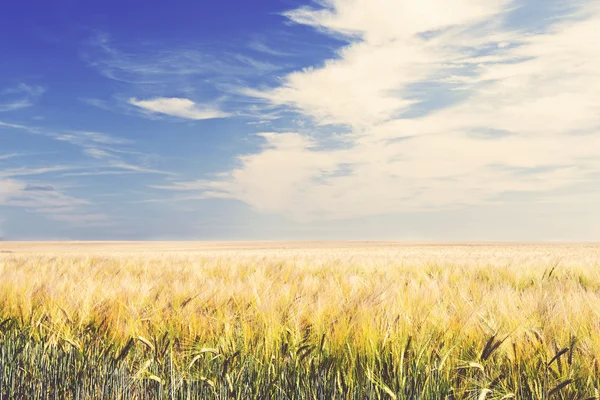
(18, 97)
(38, 189)
(47, 200)
(101, 147)
(149, 65)
(178, 107)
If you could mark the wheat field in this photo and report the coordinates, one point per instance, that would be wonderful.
(299, 320)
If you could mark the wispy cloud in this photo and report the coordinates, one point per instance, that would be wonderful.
(20, 96)
(98, 146)
(19, 187)
(403, 148)
(140, 169)
(32, 90)
(39, 188)
(100, 173)
(259, 45)
(18, 126)
(36, 190)
(154, 65)
(28, 171)
(191, 82)
(99, 103)
(9, 188)
(178, 107)
(83, 137)
(44, 199)
(15, 105)
(42, 189)
(9, 156)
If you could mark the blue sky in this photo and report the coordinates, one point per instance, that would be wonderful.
(290, 119)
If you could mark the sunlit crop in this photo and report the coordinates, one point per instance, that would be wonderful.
(276, 321)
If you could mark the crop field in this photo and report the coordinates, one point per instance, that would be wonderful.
(299, 320)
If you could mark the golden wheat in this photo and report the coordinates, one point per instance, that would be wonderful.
(460, 314)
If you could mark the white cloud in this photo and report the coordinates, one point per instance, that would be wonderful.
(48, 200)
(97, 153)
(259, 45)
(21, 96)
(379, 21)
(15, 105)
(137, 168)
(32, 194)
(23, 171)
(44, 197)
(178, 107)
(150, 65)
(528, 119)
(102, 138)
(10, 155)
(368, 83)
(9, 188)
(96, 146)
(17, 126)
(99, 173)
(102, 104)
(88, 139)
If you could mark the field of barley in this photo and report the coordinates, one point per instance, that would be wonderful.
(299, 320)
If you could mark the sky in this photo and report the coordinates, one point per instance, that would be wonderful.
(444, 120)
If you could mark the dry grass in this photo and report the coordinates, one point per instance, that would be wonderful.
(298, 320)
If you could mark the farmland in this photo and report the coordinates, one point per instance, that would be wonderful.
(299, 320)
